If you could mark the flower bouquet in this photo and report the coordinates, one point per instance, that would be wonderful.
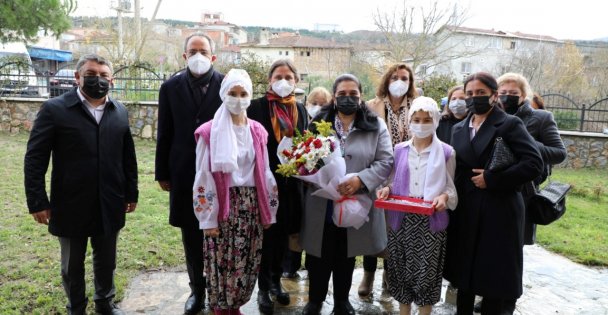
(316, 159)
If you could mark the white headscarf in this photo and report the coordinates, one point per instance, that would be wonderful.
(435, 179)
(223, 142)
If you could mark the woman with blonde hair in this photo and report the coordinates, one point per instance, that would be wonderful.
(514, 94)
(317, 98)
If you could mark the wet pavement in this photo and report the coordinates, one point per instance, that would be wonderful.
(552, 285)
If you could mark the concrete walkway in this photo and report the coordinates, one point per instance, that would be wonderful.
(552, 285)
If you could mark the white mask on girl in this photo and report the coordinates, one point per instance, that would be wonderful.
(237, 105)
(422, 131)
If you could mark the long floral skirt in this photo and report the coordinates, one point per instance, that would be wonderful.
(232, 260)
(415, 263)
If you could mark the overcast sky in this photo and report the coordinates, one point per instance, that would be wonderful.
(580, 19)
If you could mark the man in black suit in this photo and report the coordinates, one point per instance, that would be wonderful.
(186, 101)
(93, 182)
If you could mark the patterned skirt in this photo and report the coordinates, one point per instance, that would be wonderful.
(232, 260)
(415, 262)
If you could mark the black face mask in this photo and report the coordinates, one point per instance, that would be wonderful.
(478, 104)
(347, 105)
(510, 103)
(95, 87)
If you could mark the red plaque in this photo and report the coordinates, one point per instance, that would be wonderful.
(405, 204)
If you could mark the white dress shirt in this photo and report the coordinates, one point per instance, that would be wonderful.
(417, 165)
(96, 111)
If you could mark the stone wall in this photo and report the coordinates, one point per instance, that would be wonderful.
(585, 149)
(17, 115)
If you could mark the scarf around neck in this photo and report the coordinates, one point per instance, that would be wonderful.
(283, 114)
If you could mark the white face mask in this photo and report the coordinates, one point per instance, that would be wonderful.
(313, 110)
(199, 64)
(398, 88)
(283, 87)
(422, 130)
(237, 105)
(458, 107)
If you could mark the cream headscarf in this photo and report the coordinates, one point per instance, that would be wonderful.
(223, 140)
(435, 179)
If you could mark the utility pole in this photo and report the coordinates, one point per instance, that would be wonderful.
(123, 6)
(137, 17)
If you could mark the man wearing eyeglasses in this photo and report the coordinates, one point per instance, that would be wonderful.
(187, 100)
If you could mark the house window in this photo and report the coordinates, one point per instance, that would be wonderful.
(303, 76)
(513, 44)
(496, 42)
(280, 52)
(308, 54)
(422, 69)
(287, 53)
(469, 41)
(301, 54)
(465, 67)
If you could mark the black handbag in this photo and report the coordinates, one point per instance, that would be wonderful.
(549, 203)
(502, 157)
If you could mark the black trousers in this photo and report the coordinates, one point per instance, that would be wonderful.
(333, 261)
(193, 250)
(465, 302)
(73, 251)
(292, 261)
(274, 246)
(370, 263)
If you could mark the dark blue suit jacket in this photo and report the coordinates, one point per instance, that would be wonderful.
(178, 118)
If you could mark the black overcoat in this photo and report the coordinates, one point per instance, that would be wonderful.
(490, 221)
(94, 167)
(291, 191)
(178, 118)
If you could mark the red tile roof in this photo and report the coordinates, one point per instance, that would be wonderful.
(298, 41)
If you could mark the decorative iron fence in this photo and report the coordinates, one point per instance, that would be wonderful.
(590, 116)
(134, 83)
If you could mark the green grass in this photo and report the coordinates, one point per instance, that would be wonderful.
(30, 281)
(582, 233)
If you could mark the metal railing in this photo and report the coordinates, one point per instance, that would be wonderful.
(589, 116)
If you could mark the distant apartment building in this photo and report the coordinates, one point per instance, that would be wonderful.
(312, 56)
(492, 51)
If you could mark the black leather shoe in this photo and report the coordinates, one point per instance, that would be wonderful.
(343, 308)
(281, 297)
(107, 308)
(312, 308)
(289, 275)
(265, 304)
(195, 303)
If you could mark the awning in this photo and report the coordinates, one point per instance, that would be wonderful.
(49, 54)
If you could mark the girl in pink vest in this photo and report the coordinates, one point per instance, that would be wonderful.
(424, 168)
(234, 195)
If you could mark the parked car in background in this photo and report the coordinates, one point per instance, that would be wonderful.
(17, 76)
(62, 82)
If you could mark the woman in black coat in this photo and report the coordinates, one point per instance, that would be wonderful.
(281, 115)
(513, 90)
(491, 207)
(454, 112)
